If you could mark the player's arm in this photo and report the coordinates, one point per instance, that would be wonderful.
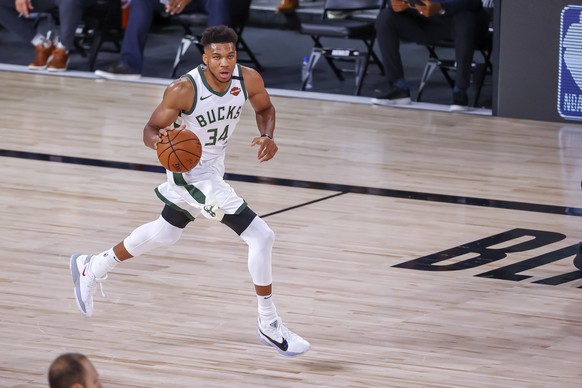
(175, 99)
(264, 113)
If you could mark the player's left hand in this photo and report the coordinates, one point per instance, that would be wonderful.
(267, 148)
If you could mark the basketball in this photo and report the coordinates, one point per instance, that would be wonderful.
(180, 151)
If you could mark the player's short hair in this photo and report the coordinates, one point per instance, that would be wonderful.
(66, 370)
(218, 34)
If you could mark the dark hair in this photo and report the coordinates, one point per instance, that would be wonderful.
(218, 34)
(67, 370)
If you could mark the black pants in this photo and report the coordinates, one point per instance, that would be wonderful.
(466, 29)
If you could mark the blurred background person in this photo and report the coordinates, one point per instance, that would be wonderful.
(52, 55)
(141, 15)
(426, 22)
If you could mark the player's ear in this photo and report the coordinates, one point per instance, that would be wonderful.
(205, 59)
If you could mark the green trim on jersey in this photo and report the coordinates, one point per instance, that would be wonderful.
(189, 112)
(192, 190)
(241, 207)
(242, 81)
(201, 71)
(173, 205)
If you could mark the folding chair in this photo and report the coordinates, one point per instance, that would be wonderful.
(353, 28)
(101, 23)
(195, 23)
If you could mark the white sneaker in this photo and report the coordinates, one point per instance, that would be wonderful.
(85, 282)
(286, 342)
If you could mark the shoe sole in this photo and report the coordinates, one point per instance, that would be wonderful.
(265, 341)
(58, 69)
(76, 281)
(458, 108)
(37, 68)
(117, 77)
(30, 67)
(395, 102)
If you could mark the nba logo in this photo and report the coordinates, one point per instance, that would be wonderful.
(570, 68)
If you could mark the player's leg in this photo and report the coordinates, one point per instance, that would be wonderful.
(260, 239)
(88, 270)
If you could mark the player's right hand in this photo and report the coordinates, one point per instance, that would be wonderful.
(164, 132)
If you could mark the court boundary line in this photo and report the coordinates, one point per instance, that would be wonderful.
(337, 187)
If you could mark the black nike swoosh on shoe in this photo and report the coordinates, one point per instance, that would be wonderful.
(283, 345)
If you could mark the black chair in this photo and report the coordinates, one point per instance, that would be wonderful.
(194, 24)
(436, 59)
(101, 24)
(353, 28)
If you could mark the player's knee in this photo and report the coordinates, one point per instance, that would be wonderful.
(259, 235)
(268, 238)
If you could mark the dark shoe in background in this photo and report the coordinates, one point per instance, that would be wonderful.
(118, 72)
(394, 96)
(460, 101)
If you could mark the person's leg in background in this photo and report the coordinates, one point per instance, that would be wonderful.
(70, 15)
(469, 27)
(219, 12)
(391, 28)
(24, 28)
(141, 15)
(464, 24)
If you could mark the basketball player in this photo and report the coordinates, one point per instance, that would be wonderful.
(208, 100)
(72, 370)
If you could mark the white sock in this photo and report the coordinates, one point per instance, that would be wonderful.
(38, 39)
(267, 310)
(60, 46)
(103, 263)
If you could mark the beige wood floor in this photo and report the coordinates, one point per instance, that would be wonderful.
(185, 316)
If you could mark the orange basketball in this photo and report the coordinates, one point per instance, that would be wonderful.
(180, 151)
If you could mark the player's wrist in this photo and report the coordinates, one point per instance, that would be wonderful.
(267, 135)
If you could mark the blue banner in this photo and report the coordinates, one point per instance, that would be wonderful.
(570, 69)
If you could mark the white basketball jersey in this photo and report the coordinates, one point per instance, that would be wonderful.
(214, 116)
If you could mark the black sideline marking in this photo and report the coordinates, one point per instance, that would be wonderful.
(343, 189)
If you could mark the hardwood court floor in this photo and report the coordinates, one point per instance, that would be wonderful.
(391, 226)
